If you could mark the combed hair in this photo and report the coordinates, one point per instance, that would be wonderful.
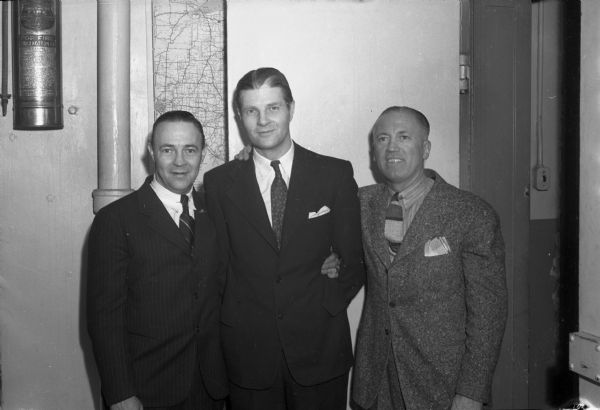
(255, 79)
(178, 116)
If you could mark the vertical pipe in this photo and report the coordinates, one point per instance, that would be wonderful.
(114, 158)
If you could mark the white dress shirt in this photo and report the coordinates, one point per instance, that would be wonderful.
(172, 201)
(265, 174)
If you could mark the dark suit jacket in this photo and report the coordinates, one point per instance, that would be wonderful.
(152, 305)
(278, 300)
(445, 314)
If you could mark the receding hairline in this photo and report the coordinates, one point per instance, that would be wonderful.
(414, 113)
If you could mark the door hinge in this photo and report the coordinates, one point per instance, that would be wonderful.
(464, 73)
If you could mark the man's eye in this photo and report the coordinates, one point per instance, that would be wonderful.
(274, 108)
(381, 138)
(166, 150)
(250, 111)
(191, 150)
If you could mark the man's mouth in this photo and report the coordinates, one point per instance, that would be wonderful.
(261, 132)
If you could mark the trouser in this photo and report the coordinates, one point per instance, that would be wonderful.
(287, 394)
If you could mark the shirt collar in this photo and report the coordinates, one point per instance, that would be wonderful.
(413, 192)
(263, 164)
(170, 198)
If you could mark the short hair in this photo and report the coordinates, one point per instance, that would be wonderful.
(255, 79)
(418, 115)
(178, 116)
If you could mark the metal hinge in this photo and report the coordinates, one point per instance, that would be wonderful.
(464, 79)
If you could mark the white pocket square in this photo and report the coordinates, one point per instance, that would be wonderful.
(323, 211)
(437, 246)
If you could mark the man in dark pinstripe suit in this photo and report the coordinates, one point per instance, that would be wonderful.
(152, 296)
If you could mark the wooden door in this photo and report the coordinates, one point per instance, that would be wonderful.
(495, 148)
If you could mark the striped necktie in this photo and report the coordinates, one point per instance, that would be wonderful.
(186, 222)
(394, 224)
(278, 200)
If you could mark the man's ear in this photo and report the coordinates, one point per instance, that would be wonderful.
(203, 154)
(150, 151)
(426, 149)
(292, 105)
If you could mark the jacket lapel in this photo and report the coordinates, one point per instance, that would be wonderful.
(426, 224)
(199, 224)
(375, 224)
(300, 191)
(244, 193)
(158, 217)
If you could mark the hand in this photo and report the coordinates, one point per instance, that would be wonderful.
(132, 403)
(465, 403)
(331, 266)
(244, 154)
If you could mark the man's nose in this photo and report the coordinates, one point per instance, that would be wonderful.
(179, 159)
(262, 117)
(393, 144)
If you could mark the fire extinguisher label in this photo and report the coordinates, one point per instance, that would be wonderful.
(33, 40)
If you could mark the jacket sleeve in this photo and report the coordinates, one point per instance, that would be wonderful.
(108, 260)
(216, 215)
(486, 302)
(347, 244)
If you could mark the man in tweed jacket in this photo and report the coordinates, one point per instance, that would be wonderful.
(436, 299)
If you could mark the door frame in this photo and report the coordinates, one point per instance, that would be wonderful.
(510, 387)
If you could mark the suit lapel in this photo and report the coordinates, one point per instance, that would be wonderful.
(375, 223)
(301, 189)
(199, 228)
(244, 193)
(426, 223)
(158, 217)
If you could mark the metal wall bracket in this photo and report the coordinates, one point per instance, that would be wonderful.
(584, 355)
(464, 73)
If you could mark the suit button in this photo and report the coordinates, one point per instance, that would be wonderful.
(387, 331)
(197, 329)
(278, 280)
(196, 295)
(279, 316)
(392, 304)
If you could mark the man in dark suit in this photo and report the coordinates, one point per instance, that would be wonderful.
(153, 297)
(436, 299)
(284, 326)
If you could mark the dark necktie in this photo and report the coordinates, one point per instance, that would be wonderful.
(278, 199)
(186, 222)
(394, 221)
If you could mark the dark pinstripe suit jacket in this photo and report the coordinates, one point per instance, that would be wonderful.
(152, 305)
(444, 315)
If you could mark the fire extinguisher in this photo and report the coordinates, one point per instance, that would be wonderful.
(37, 69)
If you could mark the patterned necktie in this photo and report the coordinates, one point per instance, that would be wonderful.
(278, 199)
(186, 222)
(394, 224)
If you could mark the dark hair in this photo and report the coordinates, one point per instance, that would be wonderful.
(255, 79)
(418, 115)
(178, 116)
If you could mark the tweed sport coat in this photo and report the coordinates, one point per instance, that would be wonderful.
(152, 304)
(277, 300)
(443, 315)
